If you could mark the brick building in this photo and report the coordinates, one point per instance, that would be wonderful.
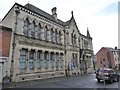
(108, 57)
(5, 41)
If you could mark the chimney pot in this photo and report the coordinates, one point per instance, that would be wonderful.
(54, 12)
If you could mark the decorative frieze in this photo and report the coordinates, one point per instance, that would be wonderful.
(35, 42)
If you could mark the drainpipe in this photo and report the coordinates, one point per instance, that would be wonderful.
(14, 44)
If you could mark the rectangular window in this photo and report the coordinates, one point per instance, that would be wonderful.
(55, 60)
(38, 59)
(31, 60)
(76, 64)
(51, 61)
(22, 59)
(44, 61)
(60, 60)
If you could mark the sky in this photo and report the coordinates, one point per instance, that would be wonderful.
(100, 16)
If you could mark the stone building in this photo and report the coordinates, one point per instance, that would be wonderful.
(43, 46)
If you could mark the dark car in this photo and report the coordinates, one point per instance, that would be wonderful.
(107, 75)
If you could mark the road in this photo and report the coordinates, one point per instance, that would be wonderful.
(85, 81)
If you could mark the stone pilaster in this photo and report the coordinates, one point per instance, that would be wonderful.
(35, 61)
(42, 58)
(18, 60)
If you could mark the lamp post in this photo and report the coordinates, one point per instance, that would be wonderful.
(17, 12)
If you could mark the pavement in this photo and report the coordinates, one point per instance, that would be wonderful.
(26, 83)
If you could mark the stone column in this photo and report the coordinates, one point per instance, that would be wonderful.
(18, 61)
(35, 61)
(27, 61)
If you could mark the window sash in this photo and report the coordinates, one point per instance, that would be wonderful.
(33, 29)
(51, 61)
(44, 61)
(38, 60)
(45, 33)
(38, 31)
(31, 60)
(22, 60)
(26, 27)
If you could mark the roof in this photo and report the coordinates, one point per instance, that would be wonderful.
(88, 34)
(43, 13)
(110, 49)
(5, 28)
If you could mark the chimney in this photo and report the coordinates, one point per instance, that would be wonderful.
(115, 47)
(54, 14)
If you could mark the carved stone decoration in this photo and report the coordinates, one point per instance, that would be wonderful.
(35, 42)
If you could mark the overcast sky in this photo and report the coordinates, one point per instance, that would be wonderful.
(101, 17)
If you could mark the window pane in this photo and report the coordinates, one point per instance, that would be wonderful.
(26, 27)
(38, 31)
(38, 60)
(33, 29)
(44, 61)
(22, 59)
(31, 60)
(45, 33)
(51, 63)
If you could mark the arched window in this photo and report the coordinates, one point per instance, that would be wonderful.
(38, 31)
(45, 33)
(26, 26)
(55, 36)
(75, 39)
(33, 29)
(51, 35)
(72, 38)
(59, 37)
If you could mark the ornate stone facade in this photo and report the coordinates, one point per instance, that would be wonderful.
(42, 46)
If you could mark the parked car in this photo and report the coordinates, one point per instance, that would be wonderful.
(107, 75)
